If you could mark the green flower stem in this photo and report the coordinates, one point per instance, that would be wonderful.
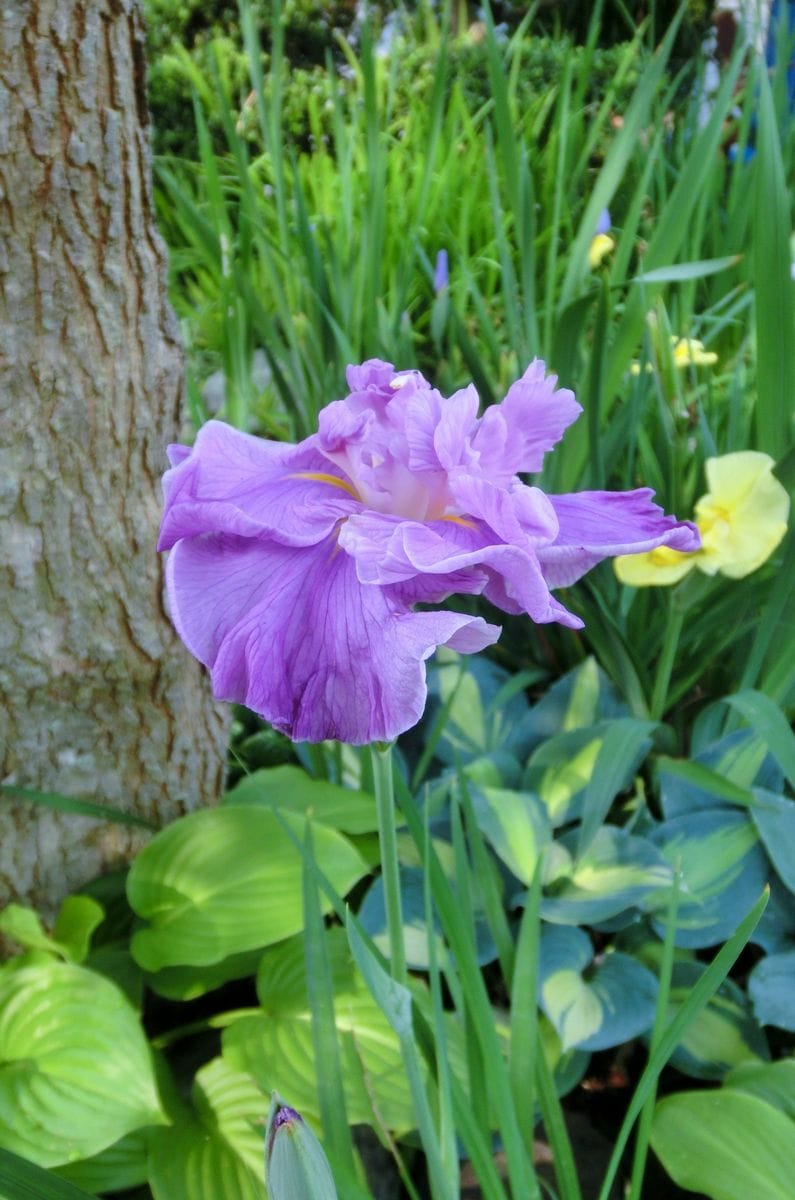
(673, 630)
(390, 871)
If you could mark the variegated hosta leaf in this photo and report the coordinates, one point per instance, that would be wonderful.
(722, 1035)
(616, 872)
(723, 872)
(592, 1005)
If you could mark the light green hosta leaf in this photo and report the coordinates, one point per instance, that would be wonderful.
(276, 1047)
(592, 1007)
(188, 983)
(581, 698)
(76, 1070)
(78, 918)
(217, 1150)
(292, 789)
(722, 1036)
(227, 880)
(617, 872)
(516, 825)
(123, 1165)
(771, 986)
(726, 1144)
(773, 1082)
(723, 870)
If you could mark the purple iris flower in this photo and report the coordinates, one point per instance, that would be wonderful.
(294, 570)
(440, 274)
(603, 224)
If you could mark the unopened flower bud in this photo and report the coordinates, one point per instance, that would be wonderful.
(297, 1168)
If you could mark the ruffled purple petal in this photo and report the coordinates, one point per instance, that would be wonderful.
(231, 482)
(599, 525)
(516, 434)
(461, 556)
(292, 633)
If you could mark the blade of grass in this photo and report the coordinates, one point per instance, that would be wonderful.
(76, 805)
(701, 993)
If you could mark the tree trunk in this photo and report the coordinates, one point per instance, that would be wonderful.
(98, 697)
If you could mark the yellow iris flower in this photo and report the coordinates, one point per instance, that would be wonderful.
(742, 519)
(600, 247)
(685, 352)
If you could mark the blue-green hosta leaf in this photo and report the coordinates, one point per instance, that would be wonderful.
(480, 718)
(723, 1035)
(725, 1144)
(290, 788)
(516, 825)
(226, 880)
(581, 698)
(617, 872)
(586, 768)
(592, 1006)
(775, 932)
(277, 1049)
(771, 986)
(722, 773)
(76, 1069)
(723, 871)
(372, 916)
(774, 818)
(773, 1082)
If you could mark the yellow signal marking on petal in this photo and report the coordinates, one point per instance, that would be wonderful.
(459, 521)
(334, 480)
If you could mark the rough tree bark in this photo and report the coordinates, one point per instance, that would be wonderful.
(98, 697)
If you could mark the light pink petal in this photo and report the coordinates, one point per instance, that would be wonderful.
(292, 633)
(231, 482)
(598, 525)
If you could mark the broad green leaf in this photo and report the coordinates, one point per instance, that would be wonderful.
(559, 772)
(479, 716)
(230, 1103)
(77, 920)
(771, 986)
(23, 1180)
(726, 1144)
(226, 880)
(276, 1046)
(188, 983)
(773, 1082)
(592, 1007)
(23, 926)
(290, 788)
(516, 825)
(774, 818)
(77, 1073)
(723, 869)
(625, 744)
(617, 872)
(723, 1035)
(121, 1166)
(190, 1162)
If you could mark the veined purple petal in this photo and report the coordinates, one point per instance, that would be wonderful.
(515, 435)
(231, 482)
(463, 556)
(598, 525)
(291, 632)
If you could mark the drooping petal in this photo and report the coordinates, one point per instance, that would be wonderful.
(231, 482)
(461, 555)
(598, 525)
(292, 633)
(516, 434)
(744, 515)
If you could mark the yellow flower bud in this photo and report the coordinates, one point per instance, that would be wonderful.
(600, 247)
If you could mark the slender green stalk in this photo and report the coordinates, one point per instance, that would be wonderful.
(673, 630)
(384, 786)
(660, 1016)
